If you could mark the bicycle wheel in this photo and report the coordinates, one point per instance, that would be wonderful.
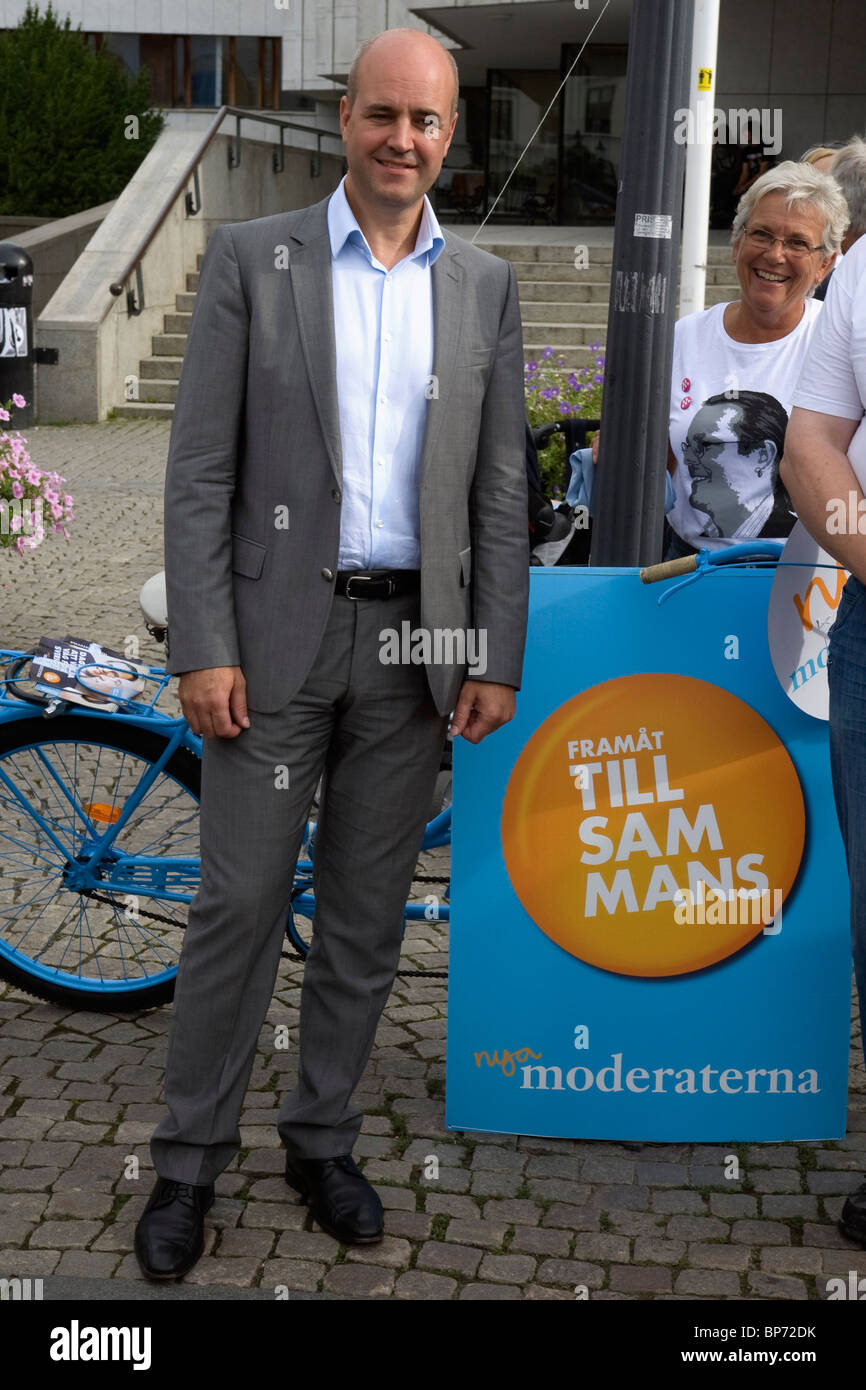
(107, 937)
(423, 905)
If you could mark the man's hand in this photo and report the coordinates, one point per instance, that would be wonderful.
(214, 701)
(481, 707)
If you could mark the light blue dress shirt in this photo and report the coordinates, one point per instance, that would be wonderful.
(383, 322)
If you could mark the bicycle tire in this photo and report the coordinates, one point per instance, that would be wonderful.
(28, 972)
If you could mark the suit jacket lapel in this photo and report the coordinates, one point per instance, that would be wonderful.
(448, 313)
(310, 270)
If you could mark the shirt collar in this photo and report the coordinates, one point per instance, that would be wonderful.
(343, 227)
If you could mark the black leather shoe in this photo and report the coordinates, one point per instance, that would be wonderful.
(169, 1237)
(852, 1222)
(341, 1199)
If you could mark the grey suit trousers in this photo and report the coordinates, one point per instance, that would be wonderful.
(374, 731)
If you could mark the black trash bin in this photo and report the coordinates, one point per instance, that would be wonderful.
(16, 331)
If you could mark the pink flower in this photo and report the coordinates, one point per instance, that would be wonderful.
(4, 414)
(18, 400)
(17, 489)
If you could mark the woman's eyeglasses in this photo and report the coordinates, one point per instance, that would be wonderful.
(792, 245)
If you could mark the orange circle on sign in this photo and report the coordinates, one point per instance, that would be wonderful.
(635, 791)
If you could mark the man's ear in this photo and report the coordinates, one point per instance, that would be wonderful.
(768, 454)
(451, 132)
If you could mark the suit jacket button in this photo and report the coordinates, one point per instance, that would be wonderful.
(327, 574)
(337, 494)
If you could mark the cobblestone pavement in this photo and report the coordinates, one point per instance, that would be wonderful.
(507, 1217)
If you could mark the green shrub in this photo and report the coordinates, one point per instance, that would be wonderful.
(554, 394)
(64, 120)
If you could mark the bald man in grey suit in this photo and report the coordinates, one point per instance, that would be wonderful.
(347, 455)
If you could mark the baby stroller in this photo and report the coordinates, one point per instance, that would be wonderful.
(558, 535)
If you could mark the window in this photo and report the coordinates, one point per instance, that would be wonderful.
(205, 70)
(189, 70)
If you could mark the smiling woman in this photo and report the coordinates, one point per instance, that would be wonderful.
(736, 365)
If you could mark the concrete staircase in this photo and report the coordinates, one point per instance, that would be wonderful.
(159, 374)
(567, 309)
(561, 307)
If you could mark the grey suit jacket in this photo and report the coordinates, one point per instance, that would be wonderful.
(253, 482)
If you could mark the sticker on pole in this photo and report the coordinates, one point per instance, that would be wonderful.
(705, 79)
(652, 224)
(803, 603)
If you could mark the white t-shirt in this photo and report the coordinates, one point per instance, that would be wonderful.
(728, 452)
(833, 380)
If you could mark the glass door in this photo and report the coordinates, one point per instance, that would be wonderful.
(517, 101)
(593, 117)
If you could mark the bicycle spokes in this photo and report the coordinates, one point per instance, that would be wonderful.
(78, 897)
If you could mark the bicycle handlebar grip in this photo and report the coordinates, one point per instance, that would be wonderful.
(686, 564)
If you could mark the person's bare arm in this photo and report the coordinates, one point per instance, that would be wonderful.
(815, 469)
(671, 464)
(214, 701)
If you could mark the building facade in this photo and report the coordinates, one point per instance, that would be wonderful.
(791, 73)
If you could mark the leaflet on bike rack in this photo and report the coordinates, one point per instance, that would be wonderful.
(110, 673)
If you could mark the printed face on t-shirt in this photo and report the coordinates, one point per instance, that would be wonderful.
(726, 484)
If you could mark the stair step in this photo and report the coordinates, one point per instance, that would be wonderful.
(192, 279)
(597, 272)
(554, 334)
(538, 253)
(160, 368)
(596, 255)
(564, 291)
(549, 311)
(156, 391)
(168, 344)
(184, 302)
(176, 323)
(141, 410)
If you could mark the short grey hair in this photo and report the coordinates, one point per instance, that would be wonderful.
(352, 80)
(804, 186)
(849, 171)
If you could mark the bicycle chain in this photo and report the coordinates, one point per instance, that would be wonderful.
(285, 955)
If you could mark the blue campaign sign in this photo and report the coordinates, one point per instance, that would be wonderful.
(649, 899)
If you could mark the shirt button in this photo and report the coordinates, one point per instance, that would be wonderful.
(327, 574)
(380, 523)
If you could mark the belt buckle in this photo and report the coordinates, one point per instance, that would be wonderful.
(369, 579)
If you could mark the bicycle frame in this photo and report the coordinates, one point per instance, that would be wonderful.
(162, 876)
(129, 874)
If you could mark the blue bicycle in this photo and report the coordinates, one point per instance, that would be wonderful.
(99, 846)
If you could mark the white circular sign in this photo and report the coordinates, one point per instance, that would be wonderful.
(803, 603)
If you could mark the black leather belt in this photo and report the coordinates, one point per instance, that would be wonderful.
(376, 583)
